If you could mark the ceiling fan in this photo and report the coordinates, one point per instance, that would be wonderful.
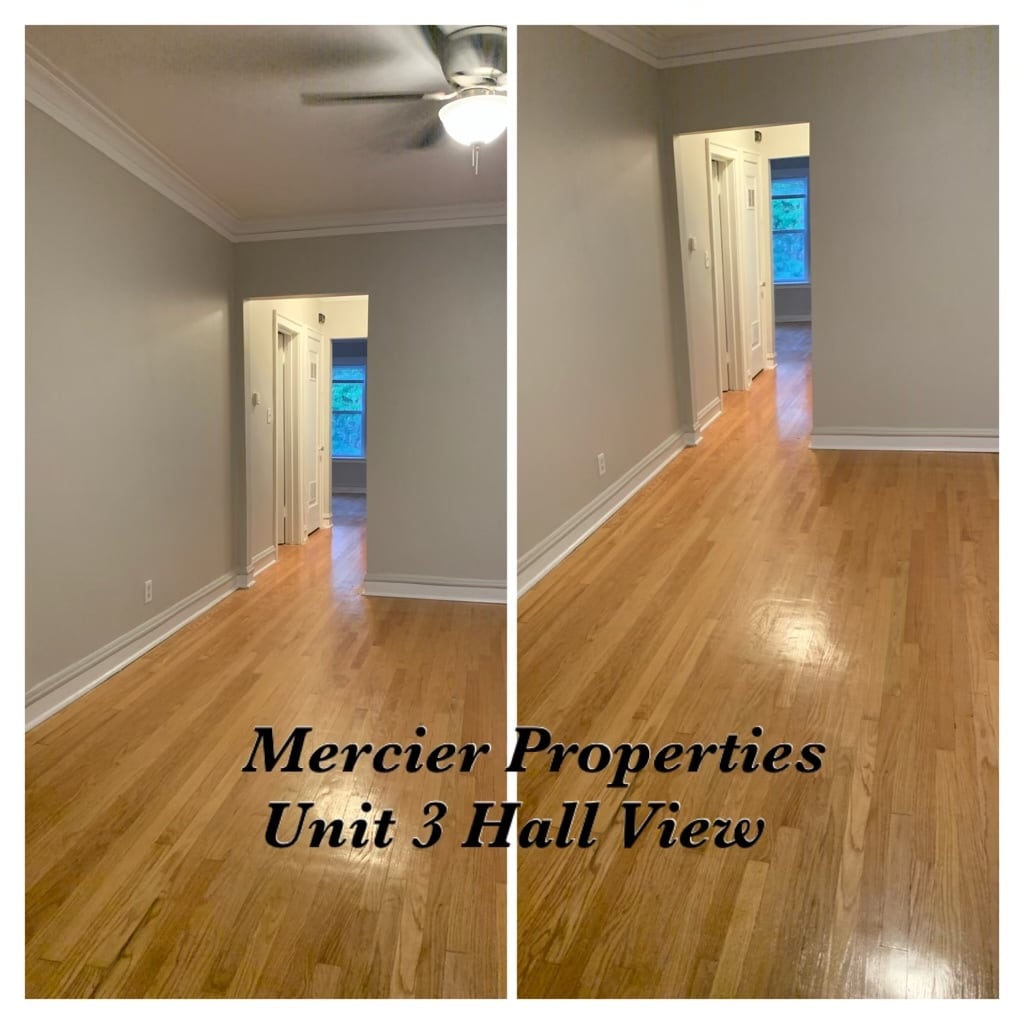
(474, 110)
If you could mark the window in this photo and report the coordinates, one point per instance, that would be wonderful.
(348, 409)
(789, 227)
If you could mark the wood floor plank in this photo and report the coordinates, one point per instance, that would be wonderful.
(147, 873)
(848, 598)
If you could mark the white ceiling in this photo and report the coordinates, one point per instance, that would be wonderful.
(221, 105)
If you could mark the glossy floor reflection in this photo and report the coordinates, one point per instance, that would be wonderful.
(848, 598)
(147, 870)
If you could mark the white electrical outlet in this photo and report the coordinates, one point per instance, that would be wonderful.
(148, 593)
(601, 467)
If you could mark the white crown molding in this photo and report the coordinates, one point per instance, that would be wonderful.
(70, 105)
(610, 34)
(426, 218)
(81, 113)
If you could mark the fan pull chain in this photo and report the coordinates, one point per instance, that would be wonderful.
(476, 157)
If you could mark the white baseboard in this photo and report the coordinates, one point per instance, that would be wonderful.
(349, 490)
(435, 588)
(264, 560)
(49, 696)
(708, 414)
(904, 439)
(543, 557)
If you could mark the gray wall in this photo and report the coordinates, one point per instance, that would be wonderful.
(904, 228)
(348, 476)
(127, 397)
(436, 388)
(596, 367)
(792, 303)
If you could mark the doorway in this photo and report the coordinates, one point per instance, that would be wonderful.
(727, 211)
(298, 402)
(306, 428)
(738, 279)
(724, 271)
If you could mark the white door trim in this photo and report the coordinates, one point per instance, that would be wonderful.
(303, 378)
(289, 424)
(767, 267)
(753, 310)
(728, 156)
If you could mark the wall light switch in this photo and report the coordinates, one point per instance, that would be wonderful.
(707, 260)
(255, 398)
(691, 244)
(270, 416)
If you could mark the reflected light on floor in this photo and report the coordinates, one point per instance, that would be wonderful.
(801, 633)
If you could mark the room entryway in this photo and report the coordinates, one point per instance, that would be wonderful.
(743, 197)
(306, 392)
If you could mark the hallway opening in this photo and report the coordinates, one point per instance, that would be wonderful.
(306, 396)
(743, 203)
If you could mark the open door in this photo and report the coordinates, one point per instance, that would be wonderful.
(750, 274)
(312, 433)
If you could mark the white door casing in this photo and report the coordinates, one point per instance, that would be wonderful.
(750, 274)
(282, 410)
(767, 270)
(718, 277)
(312, 432)
(726, 220)
(288, 358)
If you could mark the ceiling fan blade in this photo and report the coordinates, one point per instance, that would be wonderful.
(321, 99)
(431, 135)
(435, 39)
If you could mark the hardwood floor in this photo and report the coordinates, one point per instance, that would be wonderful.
(147, 869)
(848, 598)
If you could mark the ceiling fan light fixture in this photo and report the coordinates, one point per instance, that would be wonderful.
(475, 118)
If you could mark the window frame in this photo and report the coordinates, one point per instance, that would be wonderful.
(349, 361)
(803, 173)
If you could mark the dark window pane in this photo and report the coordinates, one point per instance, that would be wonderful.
(789, 253)
(789, 214)
(347, 435)
(789, 186)
(347, 397)
(348, 373)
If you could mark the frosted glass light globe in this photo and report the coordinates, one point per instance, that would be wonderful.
(476, 119)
